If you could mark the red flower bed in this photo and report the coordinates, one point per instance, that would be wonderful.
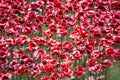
(52, 37)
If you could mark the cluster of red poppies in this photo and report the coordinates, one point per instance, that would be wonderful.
(52, 37)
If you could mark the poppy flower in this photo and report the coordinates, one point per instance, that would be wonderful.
(18, 54)
(47, 33)
(57, 3)
(5, 52)
(31, 15)
(38, 54)
(22, 39)
(56, 50)
(28, 61)
(9, 42)
(107, 30)
(67, 64)
(97, 32)
(96, 68)
(51, 42)
(26, 30)
(62, 32)
(117, 29)
(3, 63)
(116, 56)
(48, 68)
(97, 54)
(82, 50)
(89, 48)
(91, 41)
(13, 66)
(52, 27)
(64, 56)
(22, 69)
(66, 72)
(109, 51)
(46, 58)
(109, 36)
(34, 71)
(5, 75)
(77, 55)
(40, 19)
(78, 41)
(35, 6)
(35, 27)
(32, 46)
(80, 71)
(39, 40)
(91, 62)
(55, 76)
(46, 78)
(54, 62)
(106, 63)
(116, 39)
(67, 46)
(4, 56)
(69, 20)
(90, 13)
